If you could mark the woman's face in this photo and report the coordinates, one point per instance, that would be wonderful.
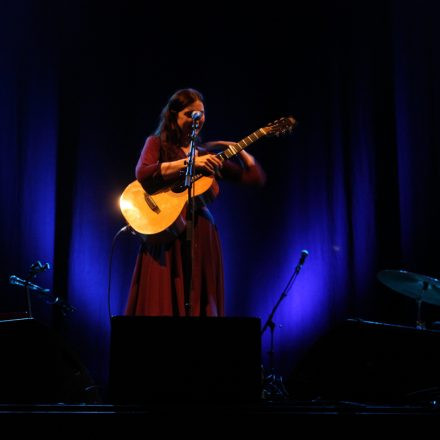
(184, 120)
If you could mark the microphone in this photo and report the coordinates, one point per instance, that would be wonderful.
(23, 283)
(195, 115)
(44, 293)
(63, 305)
(304, 255)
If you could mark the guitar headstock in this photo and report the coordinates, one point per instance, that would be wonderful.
(280, 126)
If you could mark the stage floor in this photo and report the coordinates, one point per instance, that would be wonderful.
(263, 408)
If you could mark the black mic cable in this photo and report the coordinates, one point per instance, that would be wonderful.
(126, 228)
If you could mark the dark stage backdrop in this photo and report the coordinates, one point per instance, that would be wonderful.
(356, 184)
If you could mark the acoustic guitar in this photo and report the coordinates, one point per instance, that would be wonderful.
(160, 215)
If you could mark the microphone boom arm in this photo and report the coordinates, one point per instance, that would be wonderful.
(269, 322)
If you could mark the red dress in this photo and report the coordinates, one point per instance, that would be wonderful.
(157, 287)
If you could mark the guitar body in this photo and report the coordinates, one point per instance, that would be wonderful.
(161, 215)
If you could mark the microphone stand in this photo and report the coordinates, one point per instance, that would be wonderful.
(190, 219)
(273, 383)
(35, 269)
(39, 291)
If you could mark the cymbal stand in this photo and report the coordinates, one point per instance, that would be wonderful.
(420, 324)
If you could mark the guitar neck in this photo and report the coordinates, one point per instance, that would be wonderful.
(235, 149)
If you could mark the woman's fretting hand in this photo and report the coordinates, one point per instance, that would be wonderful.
(207, 164)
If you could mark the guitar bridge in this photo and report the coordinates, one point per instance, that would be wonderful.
(152, 204)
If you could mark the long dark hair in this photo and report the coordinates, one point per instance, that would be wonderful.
(168, 130)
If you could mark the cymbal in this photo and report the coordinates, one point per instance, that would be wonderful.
(420, 287)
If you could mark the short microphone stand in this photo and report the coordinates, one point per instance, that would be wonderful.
(40, 292)
(189, 181)
(273, 386)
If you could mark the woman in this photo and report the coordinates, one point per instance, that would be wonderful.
(159, 278)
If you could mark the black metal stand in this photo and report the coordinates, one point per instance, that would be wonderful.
(189, 243)
(40, 292)
(35, 269)
(273, 387)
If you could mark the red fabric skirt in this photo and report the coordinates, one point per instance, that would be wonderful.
(158, 283)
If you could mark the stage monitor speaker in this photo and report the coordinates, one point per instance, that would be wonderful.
(37, 366)
(370, 362)
(190, 359)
